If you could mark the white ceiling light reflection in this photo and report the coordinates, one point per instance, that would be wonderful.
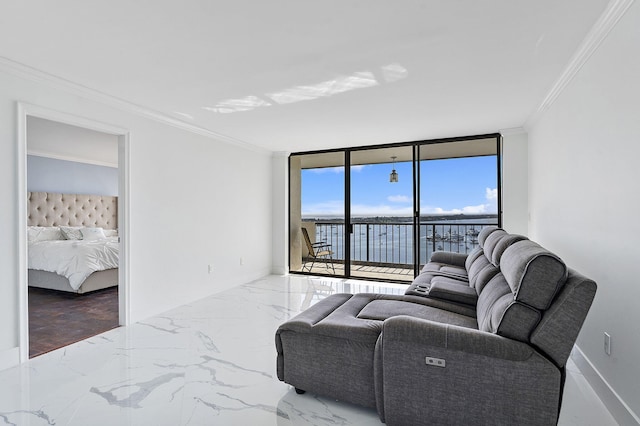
(184, 115)
(358, 80)
(234, 105)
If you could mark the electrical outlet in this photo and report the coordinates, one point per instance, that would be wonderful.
(436, 362)
(607, 343)
(241, 261)
(210, 268)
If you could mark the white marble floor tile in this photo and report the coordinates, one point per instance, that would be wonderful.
(211, 362)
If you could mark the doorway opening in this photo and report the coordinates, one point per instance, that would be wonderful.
(73, 213)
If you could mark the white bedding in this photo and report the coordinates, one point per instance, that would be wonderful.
(74, 259)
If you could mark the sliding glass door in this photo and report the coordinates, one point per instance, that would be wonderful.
(380, 212)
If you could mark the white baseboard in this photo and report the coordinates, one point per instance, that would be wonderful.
(623, 414)
(9, 358)
(279, 270)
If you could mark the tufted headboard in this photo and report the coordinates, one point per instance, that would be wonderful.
(51, 209)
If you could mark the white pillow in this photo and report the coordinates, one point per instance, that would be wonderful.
(71, 232)
(110, 232)
(92, 234)
(43, 233)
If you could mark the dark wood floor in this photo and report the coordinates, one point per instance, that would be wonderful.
(57, 318)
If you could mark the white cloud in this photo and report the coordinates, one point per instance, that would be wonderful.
(321, 170)
(337, 169)
(491, 194)
(380, 210)
(334, 207)
(491, 207)
(479, 209)
(398, 199)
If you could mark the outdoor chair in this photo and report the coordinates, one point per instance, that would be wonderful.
(317, 251)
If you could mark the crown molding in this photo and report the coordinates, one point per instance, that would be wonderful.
(512, 131)
(600, 30)
(30, 73)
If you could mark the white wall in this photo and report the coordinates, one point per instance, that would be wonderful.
(194, 201)
(70, 177)
(280, 226)
(584, 166)
(515, 190)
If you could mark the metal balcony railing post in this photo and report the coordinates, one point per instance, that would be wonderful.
(367, 240)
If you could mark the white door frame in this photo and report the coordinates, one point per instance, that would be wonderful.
(23, 111)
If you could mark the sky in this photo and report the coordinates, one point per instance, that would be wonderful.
(450, 186)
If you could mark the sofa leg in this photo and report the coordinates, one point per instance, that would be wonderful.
(300, 391)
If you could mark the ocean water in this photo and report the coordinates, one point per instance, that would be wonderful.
(390, 240)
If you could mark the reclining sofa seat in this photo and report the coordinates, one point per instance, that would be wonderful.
(443, 276)
(427, 359)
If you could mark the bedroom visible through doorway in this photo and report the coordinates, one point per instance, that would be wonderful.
(72, 236)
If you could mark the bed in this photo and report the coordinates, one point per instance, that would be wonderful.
(72, 241)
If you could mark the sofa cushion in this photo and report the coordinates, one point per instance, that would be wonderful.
(483, 277)
(472, 257)
(383, 309)
(492, 241)
(499, 313)
(502, 245)
(534, 274)
(484, 233)
(445, 269)
(480, 272)
(449, 258)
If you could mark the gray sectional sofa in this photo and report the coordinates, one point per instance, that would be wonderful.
(476, 339)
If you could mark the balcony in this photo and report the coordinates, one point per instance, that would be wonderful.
(384, 249)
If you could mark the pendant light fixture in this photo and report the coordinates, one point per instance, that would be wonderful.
(393, 177)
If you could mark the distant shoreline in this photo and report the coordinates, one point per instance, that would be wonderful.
(378, 219)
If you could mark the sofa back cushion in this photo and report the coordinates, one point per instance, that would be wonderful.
(485, 232)
(535, 275)
(498, 312)
(501, 246)
(480, 272)
(492, 240)
(472, 257)
(483, 263)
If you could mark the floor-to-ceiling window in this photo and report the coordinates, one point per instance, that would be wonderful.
(317, 213)
(384, 215)
(458, 187)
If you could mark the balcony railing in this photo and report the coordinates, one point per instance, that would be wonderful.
(391, 243)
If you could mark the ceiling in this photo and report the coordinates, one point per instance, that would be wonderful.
(291, 75)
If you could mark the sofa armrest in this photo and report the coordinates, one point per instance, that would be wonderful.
(450, 258)
(425, 333)
(436, 373)
(454, 292)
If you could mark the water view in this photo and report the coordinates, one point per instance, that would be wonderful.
(389, 240)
